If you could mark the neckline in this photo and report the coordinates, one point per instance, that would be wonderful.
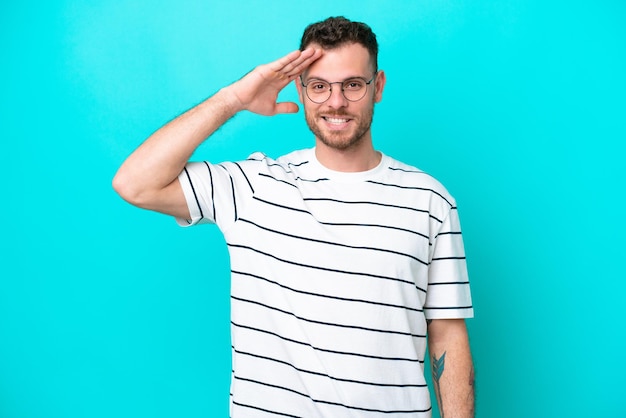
(345, 176)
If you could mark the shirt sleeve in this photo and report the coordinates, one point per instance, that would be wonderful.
(448, 294)
(214, 192)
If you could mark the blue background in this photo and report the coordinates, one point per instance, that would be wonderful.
(518, 107)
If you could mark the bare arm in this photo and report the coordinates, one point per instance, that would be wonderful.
(452, 367)
(149, 176)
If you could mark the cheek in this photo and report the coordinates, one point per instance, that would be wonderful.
(310, 108)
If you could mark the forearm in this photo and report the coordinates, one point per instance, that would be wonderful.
(161, 158)
(452, 368)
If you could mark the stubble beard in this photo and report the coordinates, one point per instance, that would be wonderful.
(339, 140)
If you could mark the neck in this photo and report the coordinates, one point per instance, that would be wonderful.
(349, 160)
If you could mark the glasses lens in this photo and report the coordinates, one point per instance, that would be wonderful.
(318, 91)
(354, 89)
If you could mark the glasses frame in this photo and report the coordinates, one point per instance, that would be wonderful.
(330, 85)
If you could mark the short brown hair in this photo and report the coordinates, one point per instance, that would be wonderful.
(338, 31)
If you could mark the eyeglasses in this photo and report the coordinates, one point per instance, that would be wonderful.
(353, 89)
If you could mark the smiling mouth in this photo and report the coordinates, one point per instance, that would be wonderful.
(334, 120)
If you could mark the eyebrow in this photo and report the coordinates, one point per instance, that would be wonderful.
(345, 79)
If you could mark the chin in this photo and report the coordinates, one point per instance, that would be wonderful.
(340, 144)
(346, 141)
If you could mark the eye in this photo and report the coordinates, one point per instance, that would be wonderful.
(317, 86)
(353, 84)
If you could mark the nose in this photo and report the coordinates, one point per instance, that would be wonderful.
(336, 100)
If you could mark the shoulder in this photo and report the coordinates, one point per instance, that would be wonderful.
(285, 168)
(411, 177)
(294, 158)
(286, 164)
(297, 158)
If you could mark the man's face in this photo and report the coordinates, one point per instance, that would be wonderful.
(339, 123)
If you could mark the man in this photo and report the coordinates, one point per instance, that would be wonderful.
(342, 258)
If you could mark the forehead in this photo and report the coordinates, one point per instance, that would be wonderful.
(349, 60)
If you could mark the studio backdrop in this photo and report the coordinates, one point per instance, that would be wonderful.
(517, 106)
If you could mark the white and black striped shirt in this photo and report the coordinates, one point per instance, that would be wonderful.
(333, 278)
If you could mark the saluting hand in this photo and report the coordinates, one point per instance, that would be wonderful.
(258, 90)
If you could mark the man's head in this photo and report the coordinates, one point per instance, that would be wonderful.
(340, 88)
(335, 32)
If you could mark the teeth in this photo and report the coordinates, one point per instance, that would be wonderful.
(336, 120)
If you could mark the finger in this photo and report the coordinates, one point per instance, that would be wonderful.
(280, 64)
(276, 69)
(305, 61)
(295, 62)
(286, 107)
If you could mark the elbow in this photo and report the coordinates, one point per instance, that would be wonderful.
(134, 191)
(123, 186)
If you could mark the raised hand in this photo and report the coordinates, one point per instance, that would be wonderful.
(258, 90)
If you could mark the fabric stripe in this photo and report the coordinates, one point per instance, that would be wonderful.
(412, 188)
(301, 370)
(345, 299)
(340, 223)
(195, 195)
(265, 410)
(357, 408)
(332, 243)
(385, 331)
(325, 350)
(321, 267)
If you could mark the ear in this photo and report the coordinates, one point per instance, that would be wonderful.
(381, 79)
(299, 88)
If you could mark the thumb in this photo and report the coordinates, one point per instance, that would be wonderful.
(287, 107)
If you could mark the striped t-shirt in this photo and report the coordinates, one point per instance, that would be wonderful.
(333, 276)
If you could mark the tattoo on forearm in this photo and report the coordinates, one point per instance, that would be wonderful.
(438, 366)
